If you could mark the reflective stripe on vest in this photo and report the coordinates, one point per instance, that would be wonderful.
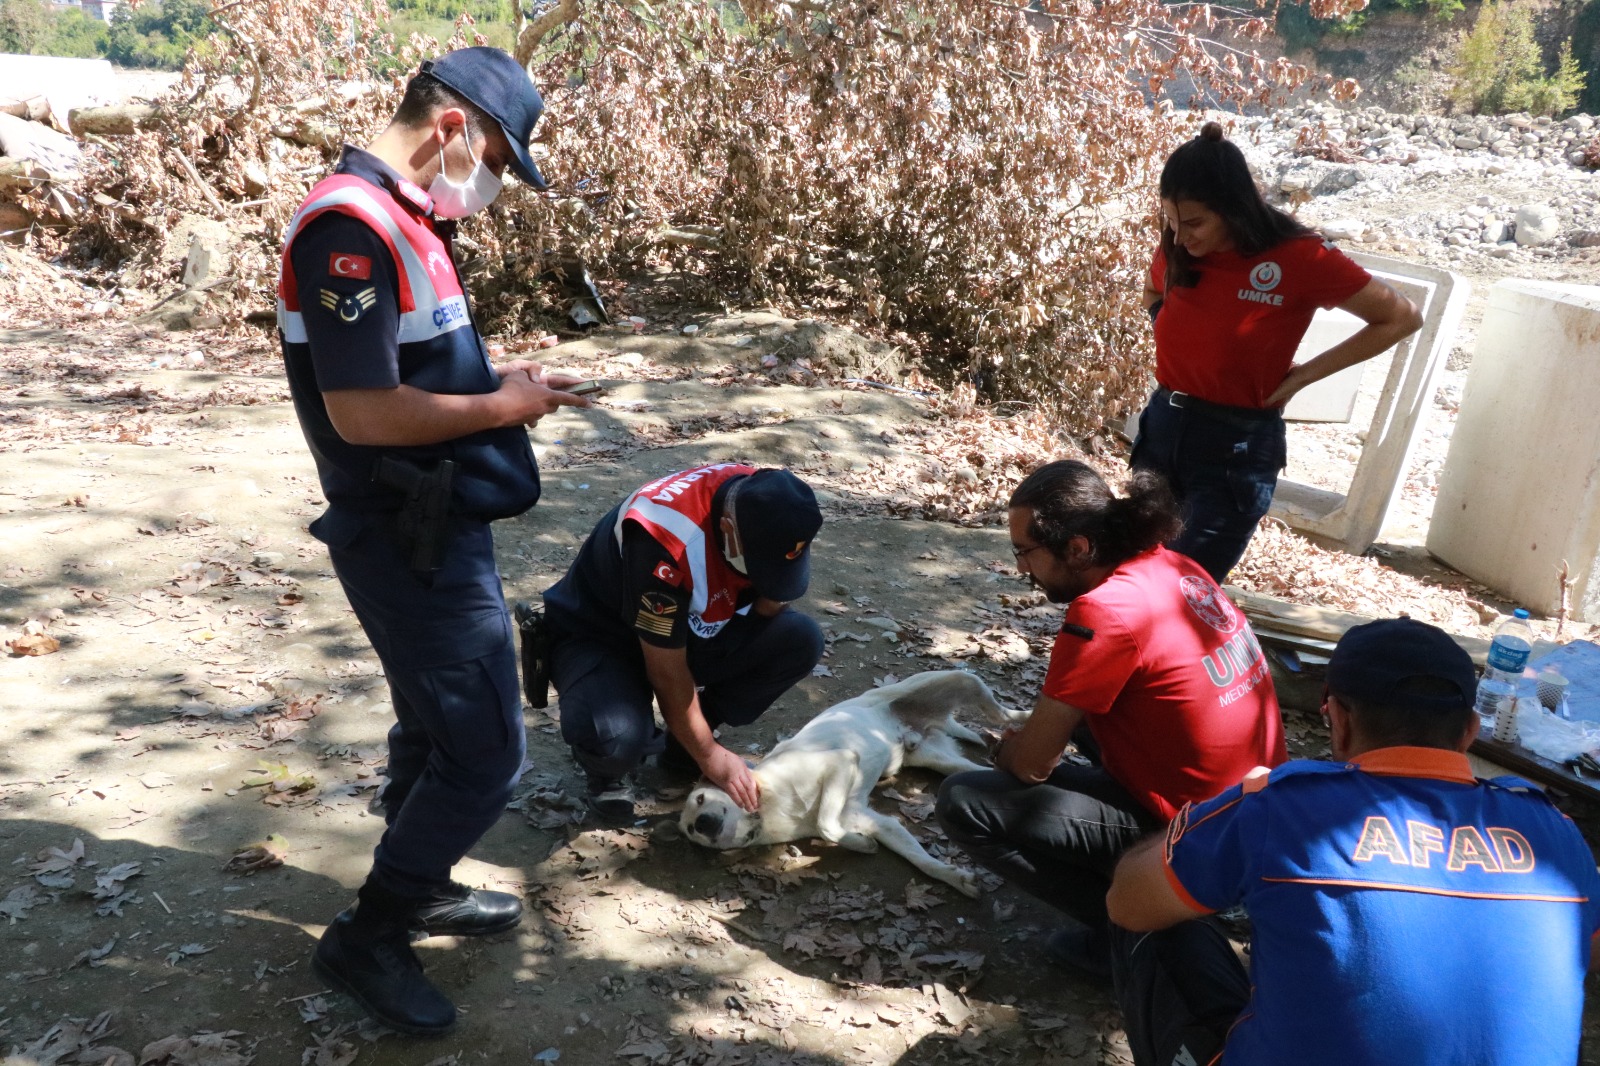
(430, 297)
(674, 510)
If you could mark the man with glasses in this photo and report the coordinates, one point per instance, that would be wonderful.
(679, 598)
(1158, 668)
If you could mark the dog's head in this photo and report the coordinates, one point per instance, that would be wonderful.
(712, 819)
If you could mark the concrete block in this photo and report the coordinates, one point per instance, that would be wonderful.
(1519, 495)
(1352, 520)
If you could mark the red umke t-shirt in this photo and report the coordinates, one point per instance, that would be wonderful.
(1175, 687)
(1230, 338)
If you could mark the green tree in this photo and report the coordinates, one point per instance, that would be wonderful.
(156, 35)
(1499, 67)
(72, 33)
(23, 25)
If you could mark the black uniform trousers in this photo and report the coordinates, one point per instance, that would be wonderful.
(1058, 840)
(607, 699)
(458, 741)
(1222, 466)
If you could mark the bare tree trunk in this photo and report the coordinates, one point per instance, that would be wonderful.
(531, 31)
(116, 121)
(34, 108)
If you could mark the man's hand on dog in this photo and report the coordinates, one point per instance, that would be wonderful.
(728, 772)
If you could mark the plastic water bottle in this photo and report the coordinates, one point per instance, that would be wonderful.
(1509, 651)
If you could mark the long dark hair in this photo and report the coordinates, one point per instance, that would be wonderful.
(1210, 170)
(1068, 499)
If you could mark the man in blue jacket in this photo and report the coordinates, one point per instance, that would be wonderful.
(1404, 911)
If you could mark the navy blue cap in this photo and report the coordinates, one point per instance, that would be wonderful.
(777, 516)
(496, 82)
(1372, 660)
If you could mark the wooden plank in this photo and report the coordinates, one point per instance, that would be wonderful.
(1321, 623)
(1524, 763)
(1313, 631)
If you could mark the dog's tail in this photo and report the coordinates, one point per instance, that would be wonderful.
(932, 696)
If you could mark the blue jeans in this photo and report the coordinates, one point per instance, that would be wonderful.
(458, 740)
(1223, 473)
(606, 696)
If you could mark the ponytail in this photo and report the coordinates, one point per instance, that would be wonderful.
(1068, 499)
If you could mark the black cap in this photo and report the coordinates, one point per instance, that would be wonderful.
(1372, 660)
(777, 516)
(496, 82)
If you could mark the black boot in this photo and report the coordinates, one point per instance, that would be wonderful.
(366, 954)
(610, 799)
(676, 762)
(456, 910)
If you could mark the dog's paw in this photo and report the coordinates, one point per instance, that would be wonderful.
(858, 842)
(964, 882)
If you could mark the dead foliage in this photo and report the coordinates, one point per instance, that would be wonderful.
(977, 177)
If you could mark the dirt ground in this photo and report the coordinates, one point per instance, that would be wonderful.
(213, 705)
(212, 692)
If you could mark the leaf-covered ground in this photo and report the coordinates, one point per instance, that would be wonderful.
(195, 725)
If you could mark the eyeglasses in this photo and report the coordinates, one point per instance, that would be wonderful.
(1022, 553)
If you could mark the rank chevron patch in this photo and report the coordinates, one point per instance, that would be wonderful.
(349, 307)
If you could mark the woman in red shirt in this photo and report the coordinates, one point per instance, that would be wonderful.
(1232, 290)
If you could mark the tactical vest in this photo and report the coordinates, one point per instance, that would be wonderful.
(440, 351)
(676, 510)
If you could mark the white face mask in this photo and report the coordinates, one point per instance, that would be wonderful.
(735, 561)
(459, 199)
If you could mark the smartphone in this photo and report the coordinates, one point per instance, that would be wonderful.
(586, 388)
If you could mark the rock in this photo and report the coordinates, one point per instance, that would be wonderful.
(1343, 229)
(1503, 251)
(1457, 238)
(1587, 239)
(1577, 159)
(255, 178)
(206, 245)
(1536, 224)
(1467, 144)
(1494, 231)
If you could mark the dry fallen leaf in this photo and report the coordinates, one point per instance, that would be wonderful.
(253, 858)
(33, 644)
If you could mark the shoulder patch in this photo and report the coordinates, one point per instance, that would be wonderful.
(658, 603)
(349, 307)
(1075, 630)
(666, 574)
(346, 265)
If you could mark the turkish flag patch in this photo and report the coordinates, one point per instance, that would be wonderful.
(665, 573)
(345, 265)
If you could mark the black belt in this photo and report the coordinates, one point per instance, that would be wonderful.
(1239, 417)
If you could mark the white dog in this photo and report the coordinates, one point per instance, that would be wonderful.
(819, 781)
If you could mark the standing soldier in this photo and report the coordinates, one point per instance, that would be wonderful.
(419, 444)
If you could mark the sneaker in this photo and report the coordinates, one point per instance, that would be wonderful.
(382, 974)
(1080, 949)
(456, 910)
(610, 799)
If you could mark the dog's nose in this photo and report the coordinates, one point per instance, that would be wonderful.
(708, 825)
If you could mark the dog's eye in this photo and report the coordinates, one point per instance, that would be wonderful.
(700, 800)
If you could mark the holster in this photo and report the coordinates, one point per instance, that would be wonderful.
(534, 629)
(423, 522)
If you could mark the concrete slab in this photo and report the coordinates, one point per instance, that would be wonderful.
(1351, 520)
(1519, 495)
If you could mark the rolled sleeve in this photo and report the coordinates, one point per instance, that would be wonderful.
(1207, 857)
(352, 322)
